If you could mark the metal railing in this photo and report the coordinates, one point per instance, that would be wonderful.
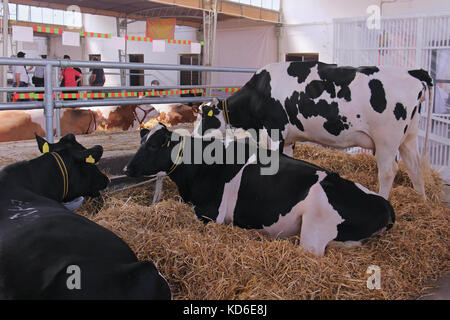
(49, 104)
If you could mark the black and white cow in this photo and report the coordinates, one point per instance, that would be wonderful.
(48, 252)
(371, 107)
(299, 199)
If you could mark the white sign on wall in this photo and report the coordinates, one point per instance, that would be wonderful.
(20, 33)
(196, 48)
(159, 45)
(71, 39)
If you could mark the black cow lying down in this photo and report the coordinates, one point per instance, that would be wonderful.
(48, 252)
(299, 199)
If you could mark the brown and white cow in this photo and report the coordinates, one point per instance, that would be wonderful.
(22, 125)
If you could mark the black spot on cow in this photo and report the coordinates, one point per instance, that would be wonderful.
(413, 112)
(358, 116)
(345, 93)
(358, 204)
(291, 105)
(300, 70)
(404, 130)
(315, 88)
(420, 108)
(308, 108)
(400, 111)
(368, 70)
(422, 75)
(419, 95)
(377, 95)
(339, 76)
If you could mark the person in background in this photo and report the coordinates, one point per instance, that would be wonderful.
(97, 78)
(70, 77)
(20, 73)
(38, 78)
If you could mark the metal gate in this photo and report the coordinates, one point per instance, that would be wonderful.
(411, 42)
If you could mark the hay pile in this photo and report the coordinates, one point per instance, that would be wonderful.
(226, 262)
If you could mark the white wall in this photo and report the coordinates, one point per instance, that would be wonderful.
(308, 24)
(243, 44)
(102, 24)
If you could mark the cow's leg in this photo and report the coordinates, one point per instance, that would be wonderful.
(411, 159)
(387, 169)
(289, 150)
(319, 222)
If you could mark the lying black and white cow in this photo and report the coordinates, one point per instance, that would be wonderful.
(48, 252)
(370, 107)
(299, 199)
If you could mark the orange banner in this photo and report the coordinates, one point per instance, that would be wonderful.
(160, 28)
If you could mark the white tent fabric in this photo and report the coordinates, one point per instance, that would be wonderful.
(245, 47)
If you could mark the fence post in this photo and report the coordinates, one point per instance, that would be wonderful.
(48, 103)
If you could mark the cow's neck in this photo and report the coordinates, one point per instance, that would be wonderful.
(40, 176)
(191, 178)
(239, 110)
(183, 174)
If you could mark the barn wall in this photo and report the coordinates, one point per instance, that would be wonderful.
(104, 24)
(243, 43)
(308, 24)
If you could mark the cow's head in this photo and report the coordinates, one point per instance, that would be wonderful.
(67, 155)
(210, 120)
(154, 154)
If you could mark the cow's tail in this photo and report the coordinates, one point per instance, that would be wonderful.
(428, 126)
(424, 77)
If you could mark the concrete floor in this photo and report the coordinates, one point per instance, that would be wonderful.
(441, 288)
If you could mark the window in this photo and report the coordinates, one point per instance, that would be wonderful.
(190, 77)
(36, 14)
(23, 13)
(265, 4)
(302, 57)
(43, 15)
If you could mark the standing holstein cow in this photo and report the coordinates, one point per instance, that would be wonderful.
(297, 199)
(341, 107)
(48, 252)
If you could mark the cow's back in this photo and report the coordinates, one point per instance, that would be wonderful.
(332, 105)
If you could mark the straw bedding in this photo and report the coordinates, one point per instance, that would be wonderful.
(225, 262)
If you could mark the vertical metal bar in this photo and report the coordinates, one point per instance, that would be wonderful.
(57, 111)
(4, 69)
(48, 103)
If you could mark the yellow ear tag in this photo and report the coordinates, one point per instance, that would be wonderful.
(210, 113)
(168, 143)
(45, 148)
(90, 159)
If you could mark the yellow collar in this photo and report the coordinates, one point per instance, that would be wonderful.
(225, 109)
(179, 156)
(64, 173)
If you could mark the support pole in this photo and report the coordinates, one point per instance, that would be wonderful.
(48, 103)
(4, 69)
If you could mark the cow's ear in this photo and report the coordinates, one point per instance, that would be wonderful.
(91, 155)
(163, 125)
(43, 145)
(68, 137)
(143, 132)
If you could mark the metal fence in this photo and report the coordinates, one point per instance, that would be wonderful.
(49, 104)
(411, 42)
